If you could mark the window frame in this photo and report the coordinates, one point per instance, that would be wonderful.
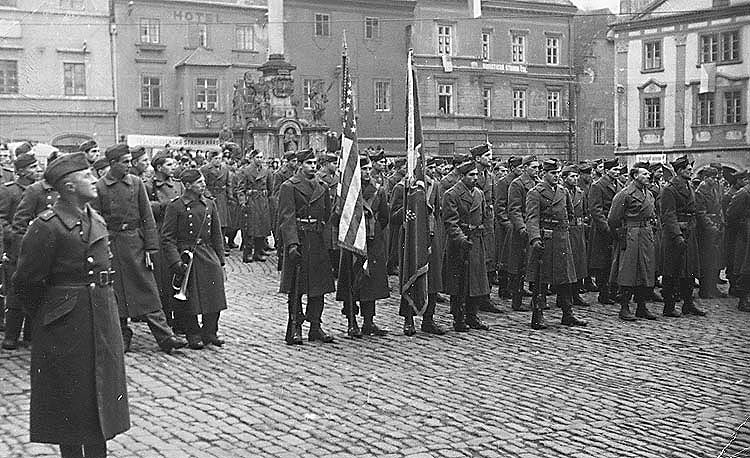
(717, 46)
(144, 87)
(375, 100)
(5, 87)
(442, 96)
(658, 120)
(217, 103)
(150, 22)
(519, 104)
(242, 29)
(556, 48)
(486, 46)
(75, 5)
(487, 101)
(322, 24)
(736, 118)
(441, 42)
(557, 108)
(648, 64)
(372, 24)
(705, 109)
(598, 135)
(75, 86)
(520, 56)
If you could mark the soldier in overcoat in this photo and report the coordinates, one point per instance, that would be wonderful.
(191, 224)
(123, 201)
(710, 219)
(162, 189)
(738, 218)
(395, 225)
(328, 174)
(465, 214)
(285, 172)
(600, 244)
(548, 212)
(218, 185)
(680, 241)
(584, 182)
(655, 185)
(78, 387)
(451, 178)
(256, 184)
(304, 210)
(737, 181)
(503, 227)
(379, 165)
(518, 240)
(355, 283)
(630, 221)
(577, 230)
(27, 172)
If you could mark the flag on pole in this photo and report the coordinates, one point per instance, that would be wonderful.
(415, 229)
(352, 231)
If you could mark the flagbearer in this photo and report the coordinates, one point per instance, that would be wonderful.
(369, 284)
(304, 209)
(465, 215)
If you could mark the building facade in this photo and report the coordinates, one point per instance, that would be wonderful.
(682, 82)
(497, 70)
(594, 55)
(178, 62)
(56, 83)
(376, 38)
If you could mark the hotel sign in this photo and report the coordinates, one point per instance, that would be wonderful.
(196, 16)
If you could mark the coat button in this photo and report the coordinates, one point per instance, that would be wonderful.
(90, 259)
(92, 285)
(91, 272)
(190, 215)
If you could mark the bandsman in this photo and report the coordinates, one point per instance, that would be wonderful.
(256, 185)
(191, 226)
(304, 209)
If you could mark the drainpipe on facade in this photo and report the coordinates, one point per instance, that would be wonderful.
(571, 100)
(113, 60)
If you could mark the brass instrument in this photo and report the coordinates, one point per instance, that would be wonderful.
(181, 294)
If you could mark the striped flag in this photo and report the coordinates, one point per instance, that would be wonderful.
(352, 230)
(416, 234)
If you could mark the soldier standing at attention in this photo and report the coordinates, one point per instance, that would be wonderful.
(27, 172)
(256, 184)
(465, 214)
(190, 225)
(79, 397)
(600, 200)
(285, 172)
(328, 174)
(519, 237)
(680, 240)
(379, 165)
(737, 181)
(123, 202)
(548, 211)
(710, 231)
(738, 218)
(630, 222)
(91, 150)
(503, 226)
(218, 186)
(140, 162)
(304, 209)
(577, 230)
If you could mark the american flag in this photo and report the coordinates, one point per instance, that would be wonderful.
(416, 236)
(352, 230)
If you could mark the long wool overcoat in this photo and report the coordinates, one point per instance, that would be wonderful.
(678, 218)
(631, 219)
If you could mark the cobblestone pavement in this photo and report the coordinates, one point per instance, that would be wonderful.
(670, 388)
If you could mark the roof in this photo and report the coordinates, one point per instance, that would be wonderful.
(201, 57)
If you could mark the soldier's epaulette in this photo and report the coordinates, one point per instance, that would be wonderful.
(46, 215)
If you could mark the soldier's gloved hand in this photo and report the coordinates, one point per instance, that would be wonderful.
(294, 253)
(537, 245)
(466, 245)
(681, 242)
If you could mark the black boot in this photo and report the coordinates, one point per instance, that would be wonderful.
(670, 310)
(353, 330)
(428, 322)
(259, 244)
(294, 325)
(492, 278)
(503, 291)
(642, 311)
(568, 319)
(472, 320)
(604, 297)
(743, 305)
(409, 329)
(314, 314)
(625, 313)
(516, 304)
(576, 298)
(13, 324)
(369, 328)
(486, 305)
(537, 320)
(459, 315)
(688, 306)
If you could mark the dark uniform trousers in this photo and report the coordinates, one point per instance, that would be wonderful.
(208, 327)
(157, 324)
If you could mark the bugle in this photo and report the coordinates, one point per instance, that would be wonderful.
(181, 294)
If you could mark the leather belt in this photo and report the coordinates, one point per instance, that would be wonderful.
(101, 279)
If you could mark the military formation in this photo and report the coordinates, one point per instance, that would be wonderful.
(97, 240)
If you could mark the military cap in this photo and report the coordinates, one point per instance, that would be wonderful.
(327, 158)
(377, 156)
(459, 159)
(364, 160)
(584, 167)
(528, 159)
(480, 149)
(24, 147)
(708, 172)
(54, 155)
(159, 158)
(570, 168)
(87, 145)
(514, 161)
(642, 165)
(24, 160)
(117, 151)
(717, 165)
(681, 163)
(65, 165)
(611, 163)
(550, 165)
(655, 166)
(289, 155)
(101, 163)
(137, 151)
(190, 175)
(466, 167)
(305, 154)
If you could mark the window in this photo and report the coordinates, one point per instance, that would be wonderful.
(71, 4)
(150, 92)
(149, 30)
(203, 35)
(197, 35)
(519, 103)
(8, 77)
(372, 27)
(74, 78)
(553, 104)
(652, 55)
(652, 112)
(487, 102)
(720, 47)
(518, 55)
(244, 38)
(322, 25)
(207, 94)
(445, 98)
(11, 3)
(733, 106)
(445, 41)
(553, 51)
(705, 109)
(382, 96)
(598, 131)
(485, 46)
(307, 89)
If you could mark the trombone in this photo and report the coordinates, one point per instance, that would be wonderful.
(181, 294)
